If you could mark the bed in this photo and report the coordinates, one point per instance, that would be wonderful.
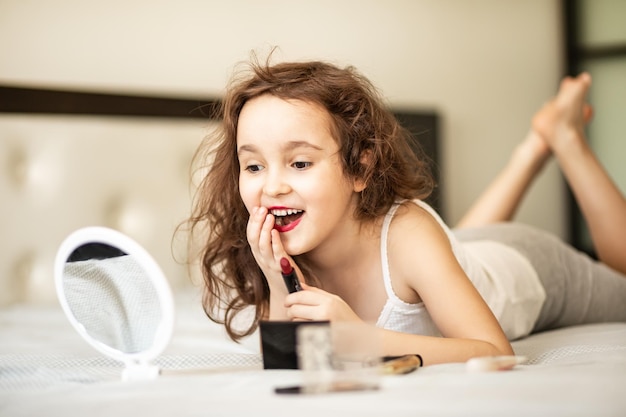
(47, 369)
(73, 159)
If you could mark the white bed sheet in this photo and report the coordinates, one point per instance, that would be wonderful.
(47, 370)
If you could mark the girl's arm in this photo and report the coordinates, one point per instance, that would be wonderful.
(422, 267)
(422, 262)
(434, 350)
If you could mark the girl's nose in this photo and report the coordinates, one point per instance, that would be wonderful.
(275, 184)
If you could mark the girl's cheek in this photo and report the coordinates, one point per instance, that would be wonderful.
(247, 201)
(250, 192)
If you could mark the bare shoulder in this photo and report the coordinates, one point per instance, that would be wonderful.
(413, 222)
(418, 250)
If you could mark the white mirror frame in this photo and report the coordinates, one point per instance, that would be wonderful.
(138, 364)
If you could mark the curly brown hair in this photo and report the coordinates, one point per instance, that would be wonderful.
(362, 125)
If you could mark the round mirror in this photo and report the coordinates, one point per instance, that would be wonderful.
(116, 297)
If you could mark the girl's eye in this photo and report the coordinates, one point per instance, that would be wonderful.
(301, 165)
(253, 168)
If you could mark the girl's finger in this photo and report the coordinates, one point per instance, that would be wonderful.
(265, 237)
(314, 290)
(310, 296)
(301, 312)
(255, 222)
(277, 246)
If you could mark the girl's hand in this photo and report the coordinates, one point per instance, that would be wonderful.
(316, 304)
(266, 246)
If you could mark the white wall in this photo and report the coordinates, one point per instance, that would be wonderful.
(484, 65)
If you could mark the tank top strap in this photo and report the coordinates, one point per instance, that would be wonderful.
(383, 251)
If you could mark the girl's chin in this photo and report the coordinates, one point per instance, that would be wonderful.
(292, 248)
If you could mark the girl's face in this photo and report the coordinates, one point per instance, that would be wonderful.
(290, 164)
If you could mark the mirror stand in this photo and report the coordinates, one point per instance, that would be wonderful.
(139, 371)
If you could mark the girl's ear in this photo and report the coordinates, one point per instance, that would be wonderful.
(366, 159)
(359, 185)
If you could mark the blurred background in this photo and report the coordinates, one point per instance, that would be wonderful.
(482, 66)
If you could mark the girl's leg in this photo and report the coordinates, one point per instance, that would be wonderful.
(579, 290)
(561, 124)
(499, 202)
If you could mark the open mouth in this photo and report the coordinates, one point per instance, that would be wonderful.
(284, 217)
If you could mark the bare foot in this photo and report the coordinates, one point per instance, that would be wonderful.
(561, 121)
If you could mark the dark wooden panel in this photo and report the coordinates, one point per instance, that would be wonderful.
(49, 101)
(424, 127)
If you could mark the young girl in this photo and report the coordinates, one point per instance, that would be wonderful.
(310, 165)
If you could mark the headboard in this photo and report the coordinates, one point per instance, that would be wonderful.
(71, 159)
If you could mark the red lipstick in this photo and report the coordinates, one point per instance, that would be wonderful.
(290, 226)
(289, 276)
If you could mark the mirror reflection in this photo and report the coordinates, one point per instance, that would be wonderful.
(112, 297)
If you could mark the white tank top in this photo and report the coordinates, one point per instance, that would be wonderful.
(505, 279)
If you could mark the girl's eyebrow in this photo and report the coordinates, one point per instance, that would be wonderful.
(246, 148)
(289, 146)
(295, 144)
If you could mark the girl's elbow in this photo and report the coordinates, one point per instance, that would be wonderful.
(503, 349)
